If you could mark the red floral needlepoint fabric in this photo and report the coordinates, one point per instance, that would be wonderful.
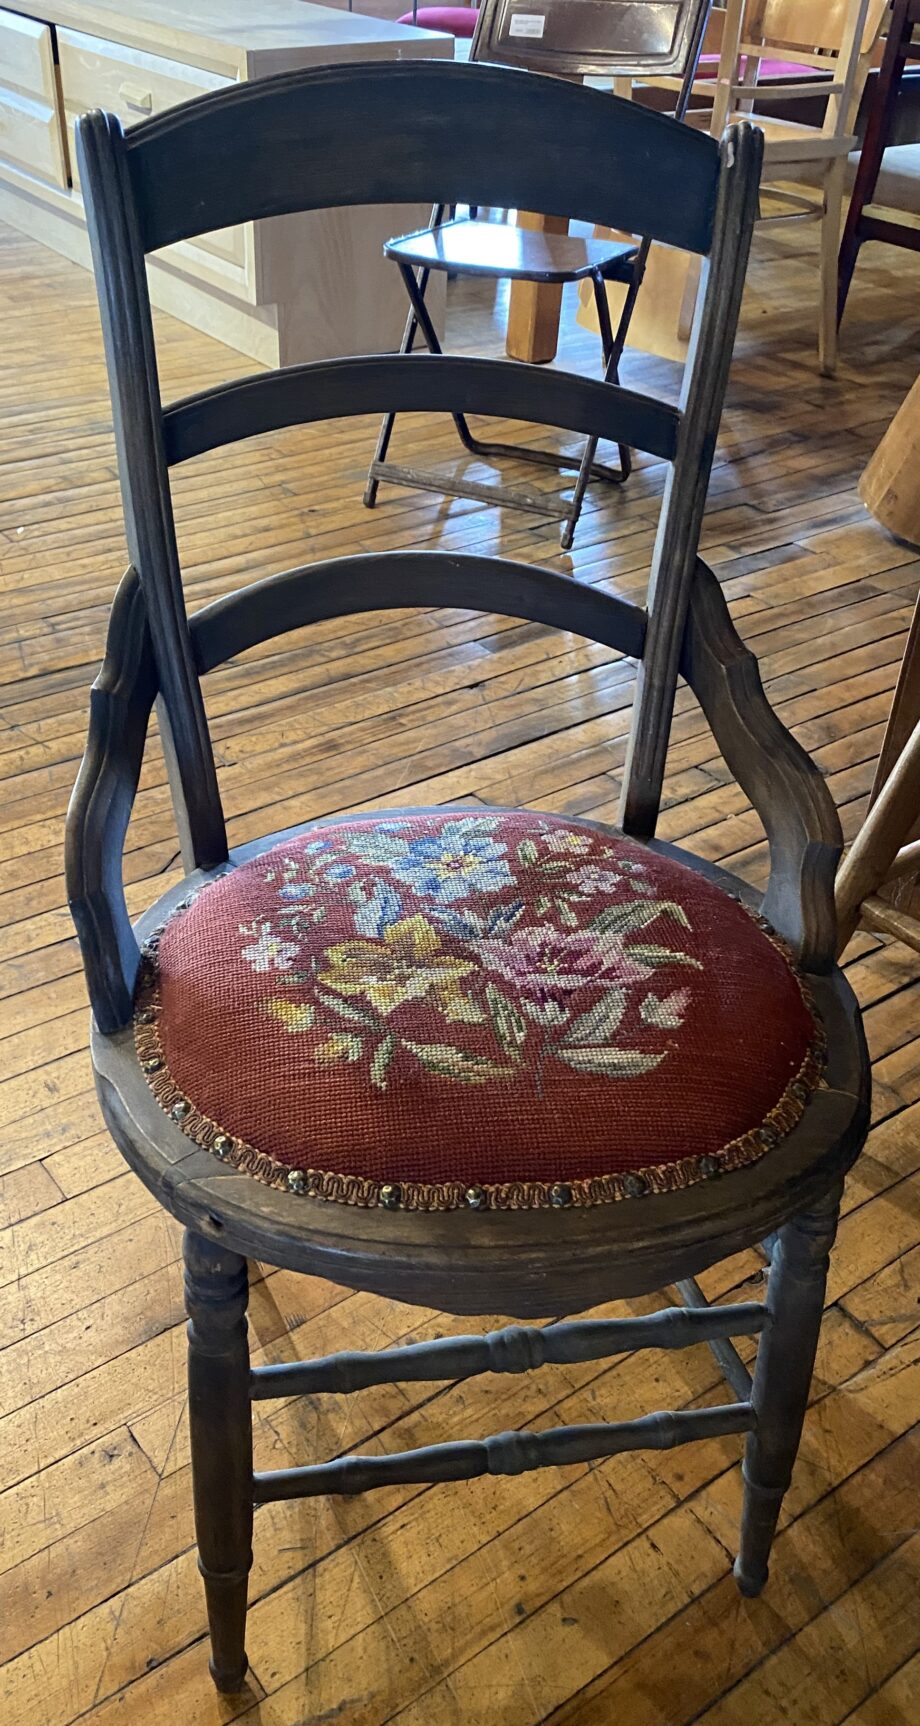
(490, 1009)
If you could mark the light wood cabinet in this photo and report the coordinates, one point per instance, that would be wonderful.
(31, 131)
(301, 287)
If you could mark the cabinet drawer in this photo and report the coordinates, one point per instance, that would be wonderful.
(31, 129)
(30, 136)
(27, 58)
(135, 85)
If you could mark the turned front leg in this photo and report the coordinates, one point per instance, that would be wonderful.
(220, 1424)
(782, 1378)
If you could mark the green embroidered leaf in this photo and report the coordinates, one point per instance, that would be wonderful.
(566, 914)
(623, 919)
(509, 1027)
(667, 1012)
(451, 1063)
(546, 1013)
(542, 906)
(600, 1021)
(651, 955)
(527, 852)
(346, 1011)
(383, 1055)
(611, 1063)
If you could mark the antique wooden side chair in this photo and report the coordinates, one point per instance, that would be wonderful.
(477, 1059)
(620, 42)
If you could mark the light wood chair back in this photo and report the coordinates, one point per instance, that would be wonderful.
(835, 37)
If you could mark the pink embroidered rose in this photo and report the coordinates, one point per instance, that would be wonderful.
(547, 964)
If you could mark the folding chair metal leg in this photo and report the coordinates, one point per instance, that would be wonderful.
(405, 347)
(613, 351)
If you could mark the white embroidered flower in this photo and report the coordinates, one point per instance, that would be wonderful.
(269, 952)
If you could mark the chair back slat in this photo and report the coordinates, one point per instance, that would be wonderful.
(388, 134)
(417, 383)
(388, 581)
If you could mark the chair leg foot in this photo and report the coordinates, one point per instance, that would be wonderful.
(229, 1683)
(220, 1427)
(782, 1379)
(748, 1585)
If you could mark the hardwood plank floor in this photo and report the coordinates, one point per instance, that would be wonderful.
(576, 1597)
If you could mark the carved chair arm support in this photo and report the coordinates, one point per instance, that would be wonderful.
(782, 782)
(100, 808)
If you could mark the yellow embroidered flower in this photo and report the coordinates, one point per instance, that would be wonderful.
(341, 1047)
(407, 964)
(294, 1015)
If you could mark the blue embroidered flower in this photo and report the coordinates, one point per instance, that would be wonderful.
(378, 906)
(296, 890)
(460, 860)
(340, 872)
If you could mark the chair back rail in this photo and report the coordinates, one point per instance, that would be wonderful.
(290, 143)
(609, 166)
(391, 580)
(416, 383)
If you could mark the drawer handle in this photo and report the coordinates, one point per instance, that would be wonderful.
(134, 97)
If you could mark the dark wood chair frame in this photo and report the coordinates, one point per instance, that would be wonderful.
(602, 262)
(866, 220)
(268, 148)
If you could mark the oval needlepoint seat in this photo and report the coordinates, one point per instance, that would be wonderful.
(475, 1008)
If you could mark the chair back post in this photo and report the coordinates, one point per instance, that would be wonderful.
(130, 352)
(676, 545)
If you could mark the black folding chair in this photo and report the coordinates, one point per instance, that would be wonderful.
(638, 39)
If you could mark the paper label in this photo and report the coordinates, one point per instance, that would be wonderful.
(527, 24)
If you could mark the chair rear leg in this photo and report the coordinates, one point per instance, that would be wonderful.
(220, 1423)
(830, 243)
(782, 1379)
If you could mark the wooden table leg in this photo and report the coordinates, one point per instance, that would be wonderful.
(533, 312)
(888, 486)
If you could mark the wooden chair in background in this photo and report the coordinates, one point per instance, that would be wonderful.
(867, 220)
(835, 37)
(473, 1059)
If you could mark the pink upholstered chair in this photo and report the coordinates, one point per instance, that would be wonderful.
(459, 21)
